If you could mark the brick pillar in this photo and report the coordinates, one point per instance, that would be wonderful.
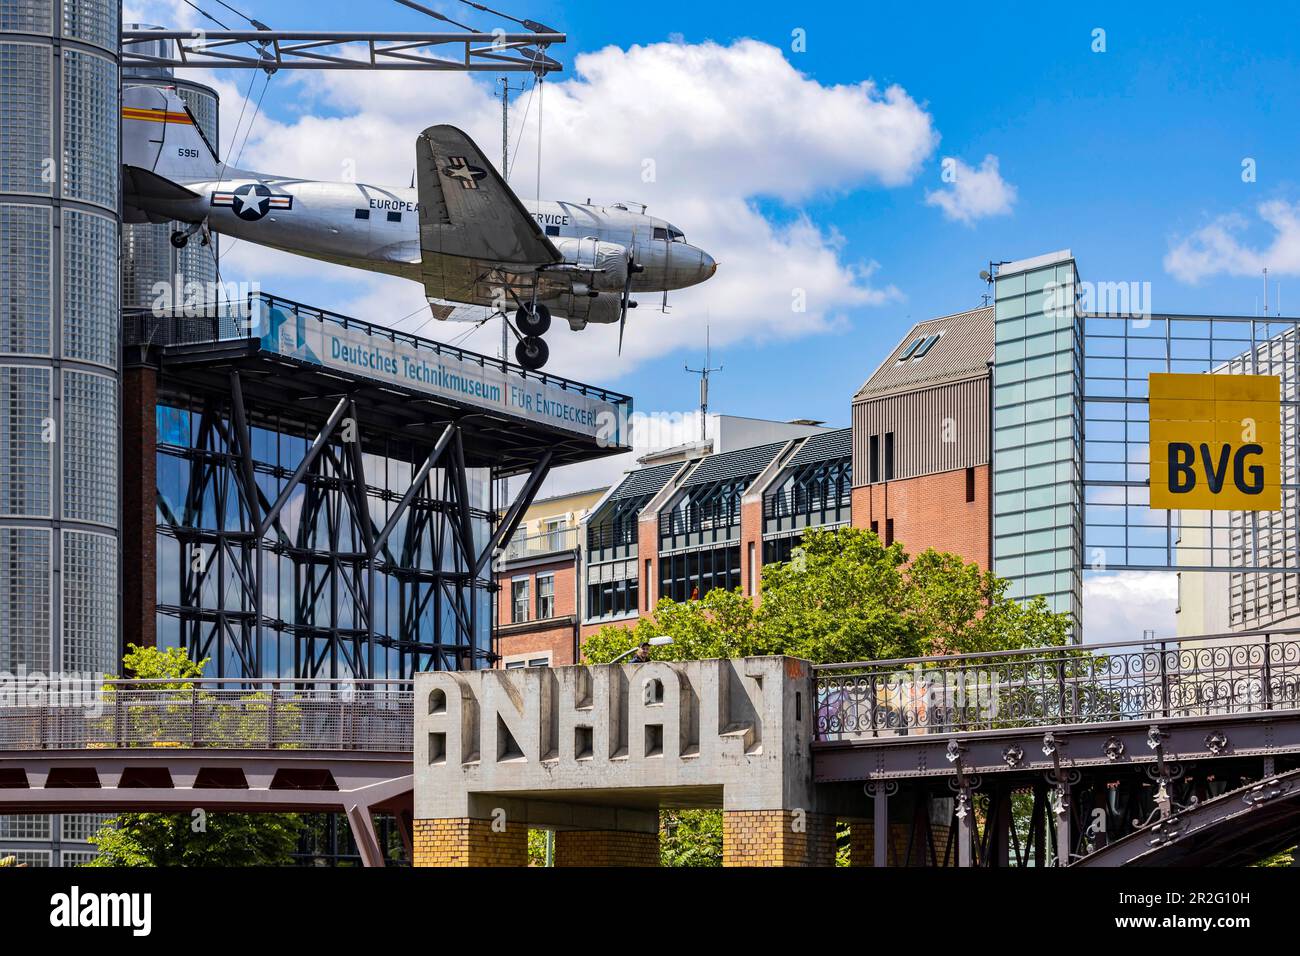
(606, 848)
(465, 841)
(139, 490)
(777, 838)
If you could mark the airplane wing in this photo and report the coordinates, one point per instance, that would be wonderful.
(474, 231)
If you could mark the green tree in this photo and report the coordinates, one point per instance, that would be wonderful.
(843, 596)
(181, 839)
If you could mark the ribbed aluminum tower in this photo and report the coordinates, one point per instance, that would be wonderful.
(60, 231)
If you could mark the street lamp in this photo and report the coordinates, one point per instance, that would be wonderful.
(653, 642)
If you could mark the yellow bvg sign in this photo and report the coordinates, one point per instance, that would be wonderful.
(1216, 442)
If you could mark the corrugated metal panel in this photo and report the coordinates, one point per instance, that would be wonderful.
(965, 347)
(935, 429)
(836, 444)
(741, 463)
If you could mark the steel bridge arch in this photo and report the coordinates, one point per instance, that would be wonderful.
(1236, 829)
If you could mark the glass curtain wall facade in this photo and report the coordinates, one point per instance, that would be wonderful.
(1038, 432)
(59, 355)
(324, 611)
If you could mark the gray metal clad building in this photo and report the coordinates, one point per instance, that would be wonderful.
(59, 278)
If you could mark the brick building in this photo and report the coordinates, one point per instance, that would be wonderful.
(921, 439)
(538, 579)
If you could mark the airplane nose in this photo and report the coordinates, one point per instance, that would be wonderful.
(707, 265)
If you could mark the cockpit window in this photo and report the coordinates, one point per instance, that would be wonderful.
(661, 233)
(676, 235)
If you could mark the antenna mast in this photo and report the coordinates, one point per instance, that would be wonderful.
(506, 90)
(703, 373)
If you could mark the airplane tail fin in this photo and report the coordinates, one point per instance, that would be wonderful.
(160, 135)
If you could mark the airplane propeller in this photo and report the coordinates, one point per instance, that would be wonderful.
(632, 269)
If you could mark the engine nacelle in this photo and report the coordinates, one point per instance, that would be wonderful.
(581, 309)
(606, 260)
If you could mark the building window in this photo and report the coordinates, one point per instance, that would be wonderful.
(874, 469)
(545, 597)
(611, 589)
(970, 484)
(889, 456)
(889, 531)
(534, 659)
(647, 579)
(753, 571)
(690, 575)
(553, 529)
(875, 527)
(519, 600)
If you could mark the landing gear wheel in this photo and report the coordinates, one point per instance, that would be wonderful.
(532, 352)
(532, 319)
(179, 239)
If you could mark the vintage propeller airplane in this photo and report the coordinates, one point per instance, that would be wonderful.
(461, 232)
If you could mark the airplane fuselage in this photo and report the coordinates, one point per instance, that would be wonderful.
(377, 228)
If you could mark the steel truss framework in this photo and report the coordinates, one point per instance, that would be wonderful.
(272, 50)
(327, 571)
(1122, 532)
(1056, 817)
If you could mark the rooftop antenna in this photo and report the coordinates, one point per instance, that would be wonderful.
(1266, 290)
(704, 373)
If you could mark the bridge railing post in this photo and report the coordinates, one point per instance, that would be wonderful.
(194, 715)
(1060, 686)
(873, 705)
(1164, 683)
(1268, 672)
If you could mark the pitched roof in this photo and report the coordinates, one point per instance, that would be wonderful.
(741, 463)
(836, 444)
(964, 347)
(645, 481)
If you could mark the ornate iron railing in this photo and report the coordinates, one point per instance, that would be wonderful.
(228, 714)
(1215, 674)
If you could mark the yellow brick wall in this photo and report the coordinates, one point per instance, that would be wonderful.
(777, 838)
(606, 848)
(463, 841)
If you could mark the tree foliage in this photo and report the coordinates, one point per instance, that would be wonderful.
(183, 839)
(843, 596)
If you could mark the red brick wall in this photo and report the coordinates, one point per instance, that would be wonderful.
(931, 512)
(139, 489)
(751, 532)
(537, 635)
(647, 546)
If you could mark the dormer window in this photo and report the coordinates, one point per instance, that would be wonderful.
(919, 347)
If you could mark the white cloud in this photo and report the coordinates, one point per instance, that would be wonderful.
(1121, 605)
(970, 194)
(723, 128)
(1219, 248)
